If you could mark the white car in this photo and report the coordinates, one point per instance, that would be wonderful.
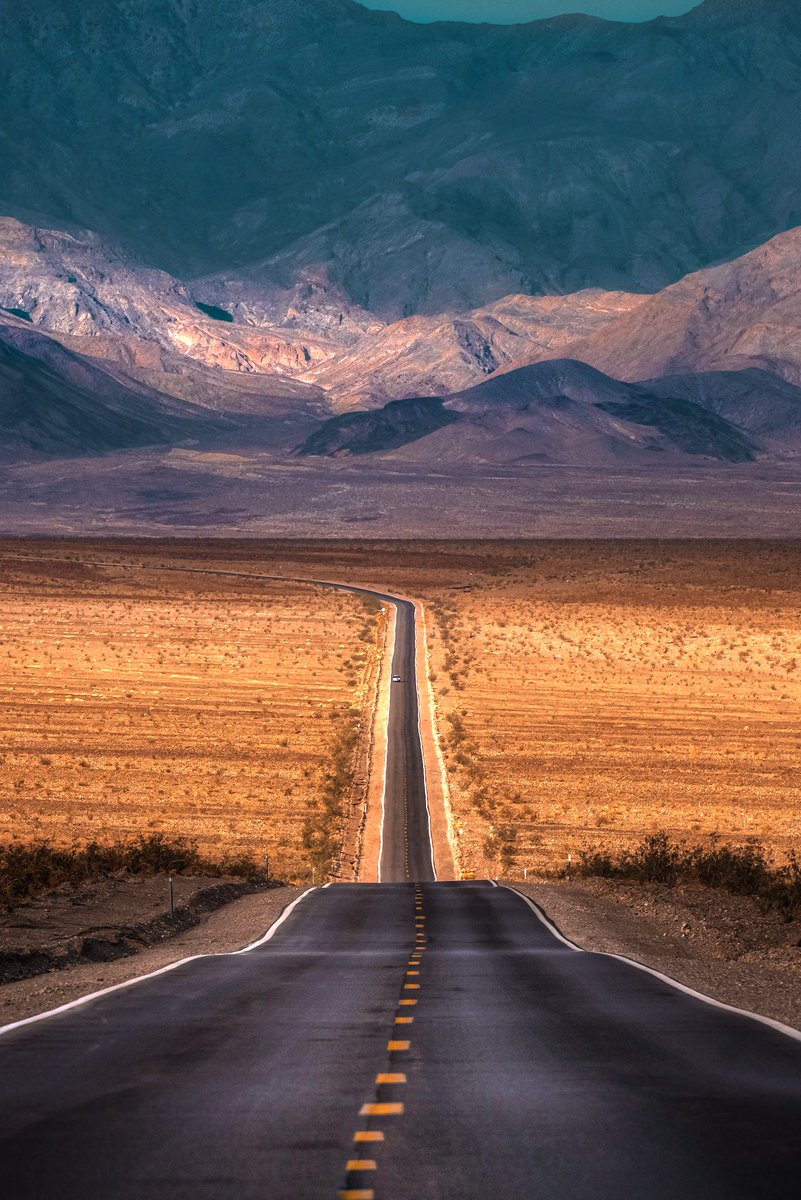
(396, 679)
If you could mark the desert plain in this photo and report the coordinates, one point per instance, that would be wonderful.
(586, 692)
(137, 701)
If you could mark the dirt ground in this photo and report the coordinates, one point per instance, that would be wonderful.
(595, 693)
(141, 701)
(586, 692)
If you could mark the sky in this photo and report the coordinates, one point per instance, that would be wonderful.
(529, 10)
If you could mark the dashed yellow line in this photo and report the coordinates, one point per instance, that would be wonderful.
(388, 1108)
(393, 1109)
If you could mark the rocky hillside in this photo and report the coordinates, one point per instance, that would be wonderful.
(394, 168)
(559, 412)
(53, 402)
(743, 314)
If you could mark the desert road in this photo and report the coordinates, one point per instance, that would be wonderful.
(406, 849)
(401, 1041)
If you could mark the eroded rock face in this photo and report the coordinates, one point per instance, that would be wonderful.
(416, 169)
(434, 356)
(81, 286)
(743, 314)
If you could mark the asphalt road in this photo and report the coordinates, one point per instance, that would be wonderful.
(528, 1070)
(406, 851)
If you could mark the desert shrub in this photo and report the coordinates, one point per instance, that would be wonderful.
(323, 830)
(27, 870)
(500, 844)
(741, 870)
(657, 860)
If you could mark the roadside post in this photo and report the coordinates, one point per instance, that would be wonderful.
(267, 867)
(172, 899)
(569, 867)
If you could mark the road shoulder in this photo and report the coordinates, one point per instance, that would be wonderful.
(720, 945)
(220, 932)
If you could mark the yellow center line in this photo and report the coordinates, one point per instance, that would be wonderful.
(369, 1135)
(382, 1109)
(410, 987)
(357, 1194)
(394, 1046)
(391, 1078)
(403, 1020)
(361, 1164)
(408, 1001)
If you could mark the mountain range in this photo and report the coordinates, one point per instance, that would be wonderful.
(306, 233)
(423, 168)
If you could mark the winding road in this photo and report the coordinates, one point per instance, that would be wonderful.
(406, 1040)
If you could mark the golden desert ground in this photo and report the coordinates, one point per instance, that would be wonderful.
(586, 692)
(208, 708)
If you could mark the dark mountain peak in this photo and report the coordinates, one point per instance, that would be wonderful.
(741, 12)
(425, 168)
(522, 386)
(396, 424)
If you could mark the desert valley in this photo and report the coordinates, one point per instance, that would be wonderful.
(400, 579)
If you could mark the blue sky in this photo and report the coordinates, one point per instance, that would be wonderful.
(530, 10)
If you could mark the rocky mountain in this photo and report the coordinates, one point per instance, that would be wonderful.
(80, 285)
(400, 169)
(53, 402)
(443, 354)
(554, 412)
(742, 314)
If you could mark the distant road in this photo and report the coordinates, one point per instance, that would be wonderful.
(401, 1041)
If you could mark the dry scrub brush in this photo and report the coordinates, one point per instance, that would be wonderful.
(742, 870)
(29, 870)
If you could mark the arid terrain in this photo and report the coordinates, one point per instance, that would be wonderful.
(200, 707)
(593, 693)
(587, 692)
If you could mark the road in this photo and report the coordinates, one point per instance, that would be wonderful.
(403, 1041)
(406, 849)
(532, 1071)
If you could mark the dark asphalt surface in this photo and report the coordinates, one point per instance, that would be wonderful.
(532, 1071)
(406, 852)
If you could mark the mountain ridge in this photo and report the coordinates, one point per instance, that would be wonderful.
(440, 166)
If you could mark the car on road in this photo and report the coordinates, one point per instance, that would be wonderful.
(396, 679)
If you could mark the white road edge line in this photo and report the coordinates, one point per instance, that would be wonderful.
(777, 1026)
(420, 739)
(126, 983)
